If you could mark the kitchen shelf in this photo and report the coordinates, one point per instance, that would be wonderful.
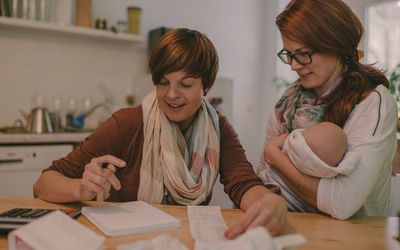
(53, 28)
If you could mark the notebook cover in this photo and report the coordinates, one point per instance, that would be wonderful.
(129, 218)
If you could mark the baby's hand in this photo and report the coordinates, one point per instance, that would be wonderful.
(279, 140)
(274, 147)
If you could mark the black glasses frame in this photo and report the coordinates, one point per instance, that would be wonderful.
(285, 55)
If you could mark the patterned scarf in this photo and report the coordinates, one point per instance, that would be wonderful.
(297, 108)
(188, 170)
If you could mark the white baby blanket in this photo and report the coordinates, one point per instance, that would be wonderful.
(309, 163)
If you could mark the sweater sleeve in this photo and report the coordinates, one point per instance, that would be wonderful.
(236, 172)
(371, 136)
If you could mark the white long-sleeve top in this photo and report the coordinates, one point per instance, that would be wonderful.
(371, 135)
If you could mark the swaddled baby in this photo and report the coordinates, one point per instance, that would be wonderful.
(318, 150)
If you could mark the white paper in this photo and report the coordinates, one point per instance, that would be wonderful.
(129, 218)
(207, 227)
(255, 239)
(55, 231)
(289, 240)
(162, 242)
(206, 223)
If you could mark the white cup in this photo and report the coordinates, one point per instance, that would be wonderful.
(63, 11)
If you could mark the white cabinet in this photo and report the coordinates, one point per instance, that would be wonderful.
(24, 156)
(21, 165)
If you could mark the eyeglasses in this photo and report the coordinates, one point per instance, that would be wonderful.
(302, 58)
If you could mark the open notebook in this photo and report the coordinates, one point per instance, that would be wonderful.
(129, 218)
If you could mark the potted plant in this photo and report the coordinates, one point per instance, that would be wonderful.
(394, 85)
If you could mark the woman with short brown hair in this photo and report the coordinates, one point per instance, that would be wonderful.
(171, 148)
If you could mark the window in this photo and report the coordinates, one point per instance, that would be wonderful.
(383, 35)
(284, 75)
(383, 40)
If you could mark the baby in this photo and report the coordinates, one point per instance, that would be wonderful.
(328, 141)
(316, 151)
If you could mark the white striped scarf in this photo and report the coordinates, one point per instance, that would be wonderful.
(165, 159)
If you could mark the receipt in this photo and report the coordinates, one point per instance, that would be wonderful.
(255, 239)
(206, 223)
(207, 227)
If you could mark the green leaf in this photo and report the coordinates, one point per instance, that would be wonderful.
(394, 83)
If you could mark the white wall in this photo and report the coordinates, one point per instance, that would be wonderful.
(51, 66)
(241, 32)
(59, 66)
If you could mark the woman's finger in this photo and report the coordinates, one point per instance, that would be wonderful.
(88, 189)
(108, 173)
(267, 220)
(243, 223)
(109, 159)
(99, 176)
(103, 175)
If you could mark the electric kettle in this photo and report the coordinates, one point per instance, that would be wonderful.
(38, 121)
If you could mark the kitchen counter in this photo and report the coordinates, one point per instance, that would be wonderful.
(26, 138)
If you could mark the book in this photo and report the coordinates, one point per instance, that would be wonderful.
(129, 218)
(55, 230)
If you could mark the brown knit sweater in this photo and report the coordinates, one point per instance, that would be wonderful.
(122, 136)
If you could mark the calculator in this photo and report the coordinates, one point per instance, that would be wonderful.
(17, 217)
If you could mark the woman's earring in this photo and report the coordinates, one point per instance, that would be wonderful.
(206, 90)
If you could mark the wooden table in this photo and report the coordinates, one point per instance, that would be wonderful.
(320, 231)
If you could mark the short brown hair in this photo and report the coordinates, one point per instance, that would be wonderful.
(186, 50)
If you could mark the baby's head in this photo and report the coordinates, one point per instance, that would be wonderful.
(328, 141)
